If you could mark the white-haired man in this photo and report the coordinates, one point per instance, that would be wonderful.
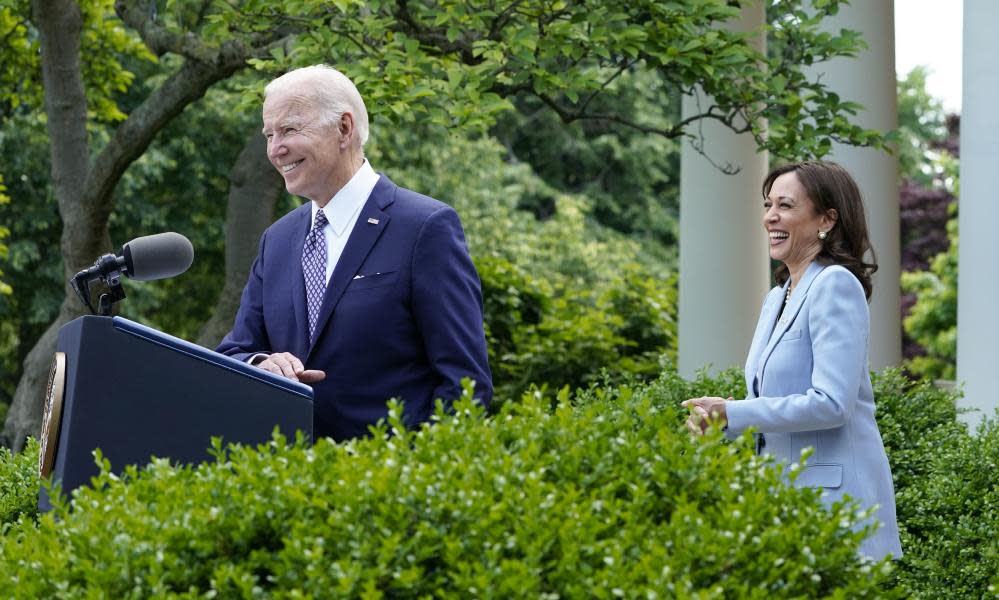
(367, 292)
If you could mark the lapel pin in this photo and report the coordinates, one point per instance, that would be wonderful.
(372, 221)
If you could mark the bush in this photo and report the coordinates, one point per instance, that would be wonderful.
(932, 322)
(18, 484)
(946, 489)
(429, 505)
(605, 498)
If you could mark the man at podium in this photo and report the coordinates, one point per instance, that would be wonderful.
(366, 292)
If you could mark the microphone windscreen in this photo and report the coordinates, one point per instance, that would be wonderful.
(158, 256)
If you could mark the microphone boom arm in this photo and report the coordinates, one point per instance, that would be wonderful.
(107, 269)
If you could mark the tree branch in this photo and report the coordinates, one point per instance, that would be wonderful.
(159, 39)
(135, 134)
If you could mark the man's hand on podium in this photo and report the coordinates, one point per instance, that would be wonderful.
(288, 365)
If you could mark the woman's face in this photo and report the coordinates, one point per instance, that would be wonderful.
(792, 223)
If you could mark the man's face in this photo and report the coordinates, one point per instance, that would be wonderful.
(307, 154)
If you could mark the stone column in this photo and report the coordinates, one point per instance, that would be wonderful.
(869, 78)
(978, 222)
(723, 248)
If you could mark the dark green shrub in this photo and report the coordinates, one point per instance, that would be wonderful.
(512, 299)
(18, 484)
(607, 498)
(946, 489)
(556, 334)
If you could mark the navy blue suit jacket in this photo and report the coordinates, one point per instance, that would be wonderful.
(402, 315)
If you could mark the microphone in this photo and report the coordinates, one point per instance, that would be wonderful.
(146, 258)
(158, 256)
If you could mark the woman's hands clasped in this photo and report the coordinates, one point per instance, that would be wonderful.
(704, 412)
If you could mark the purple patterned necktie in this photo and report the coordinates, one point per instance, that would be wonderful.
(314, 268)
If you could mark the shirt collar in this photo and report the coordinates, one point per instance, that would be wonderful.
(344, 205)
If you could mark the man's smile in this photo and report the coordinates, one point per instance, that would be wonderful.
(291, 166)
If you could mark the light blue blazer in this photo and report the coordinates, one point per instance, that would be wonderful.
(809, 386)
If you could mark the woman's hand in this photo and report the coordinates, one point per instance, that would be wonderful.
(704, 412)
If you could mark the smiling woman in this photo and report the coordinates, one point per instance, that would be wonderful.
(807, 371)
(795, 225)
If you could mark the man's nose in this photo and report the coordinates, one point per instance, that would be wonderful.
(275, 148)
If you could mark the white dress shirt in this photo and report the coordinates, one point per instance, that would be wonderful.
(342, 211)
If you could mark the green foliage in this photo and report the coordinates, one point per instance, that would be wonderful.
(947, 490)
(19, 484)
(605, 498)
(179, 184)
(104, 41)
(565, 297)
(630, 176)
(20, 73)
(32, 268)
(5, 288)
(932, 321)
(621, 330)
(921, 126)
(531, 494)
(107, 44)
(457, 63)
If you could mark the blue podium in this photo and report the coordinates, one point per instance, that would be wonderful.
(136, 393)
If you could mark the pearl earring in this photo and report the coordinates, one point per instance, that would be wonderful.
(822, 235)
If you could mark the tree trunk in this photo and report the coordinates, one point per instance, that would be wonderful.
(59, 24)
(254, 189)
(85, 193)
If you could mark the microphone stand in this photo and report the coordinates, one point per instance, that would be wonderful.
(110, 273)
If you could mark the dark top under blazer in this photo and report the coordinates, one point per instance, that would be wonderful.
(401, 318)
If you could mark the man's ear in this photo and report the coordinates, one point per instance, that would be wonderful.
(347, 130)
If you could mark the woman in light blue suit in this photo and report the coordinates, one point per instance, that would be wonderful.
(807, 375)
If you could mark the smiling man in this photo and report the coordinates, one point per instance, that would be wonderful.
(366, 292)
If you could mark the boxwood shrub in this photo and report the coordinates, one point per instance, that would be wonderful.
(946, 489)
(603, 497)
(18, 484)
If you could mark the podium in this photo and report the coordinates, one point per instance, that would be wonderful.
(136, 393)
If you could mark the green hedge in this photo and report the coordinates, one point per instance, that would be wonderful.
(605, 498)
(552, 334)
(946, 489)
(601, 493)
(18, 484)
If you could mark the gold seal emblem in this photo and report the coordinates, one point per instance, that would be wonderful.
(52, 415)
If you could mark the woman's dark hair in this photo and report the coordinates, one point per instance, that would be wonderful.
(829, 186)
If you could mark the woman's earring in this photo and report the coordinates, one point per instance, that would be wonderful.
(822, 235)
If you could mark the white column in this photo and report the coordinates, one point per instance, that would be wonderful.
(978, 222)
(724, 265)
(869, 79)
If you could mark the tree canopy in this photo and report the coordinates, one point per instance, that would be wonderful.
(75, 68)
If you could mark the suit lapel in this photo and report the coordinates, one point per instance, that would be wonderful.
(790, 311)
(369, 227)
(298, 281)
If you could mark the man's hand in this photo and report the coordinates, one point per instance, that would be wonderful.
(287, 365)
(705, 411)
